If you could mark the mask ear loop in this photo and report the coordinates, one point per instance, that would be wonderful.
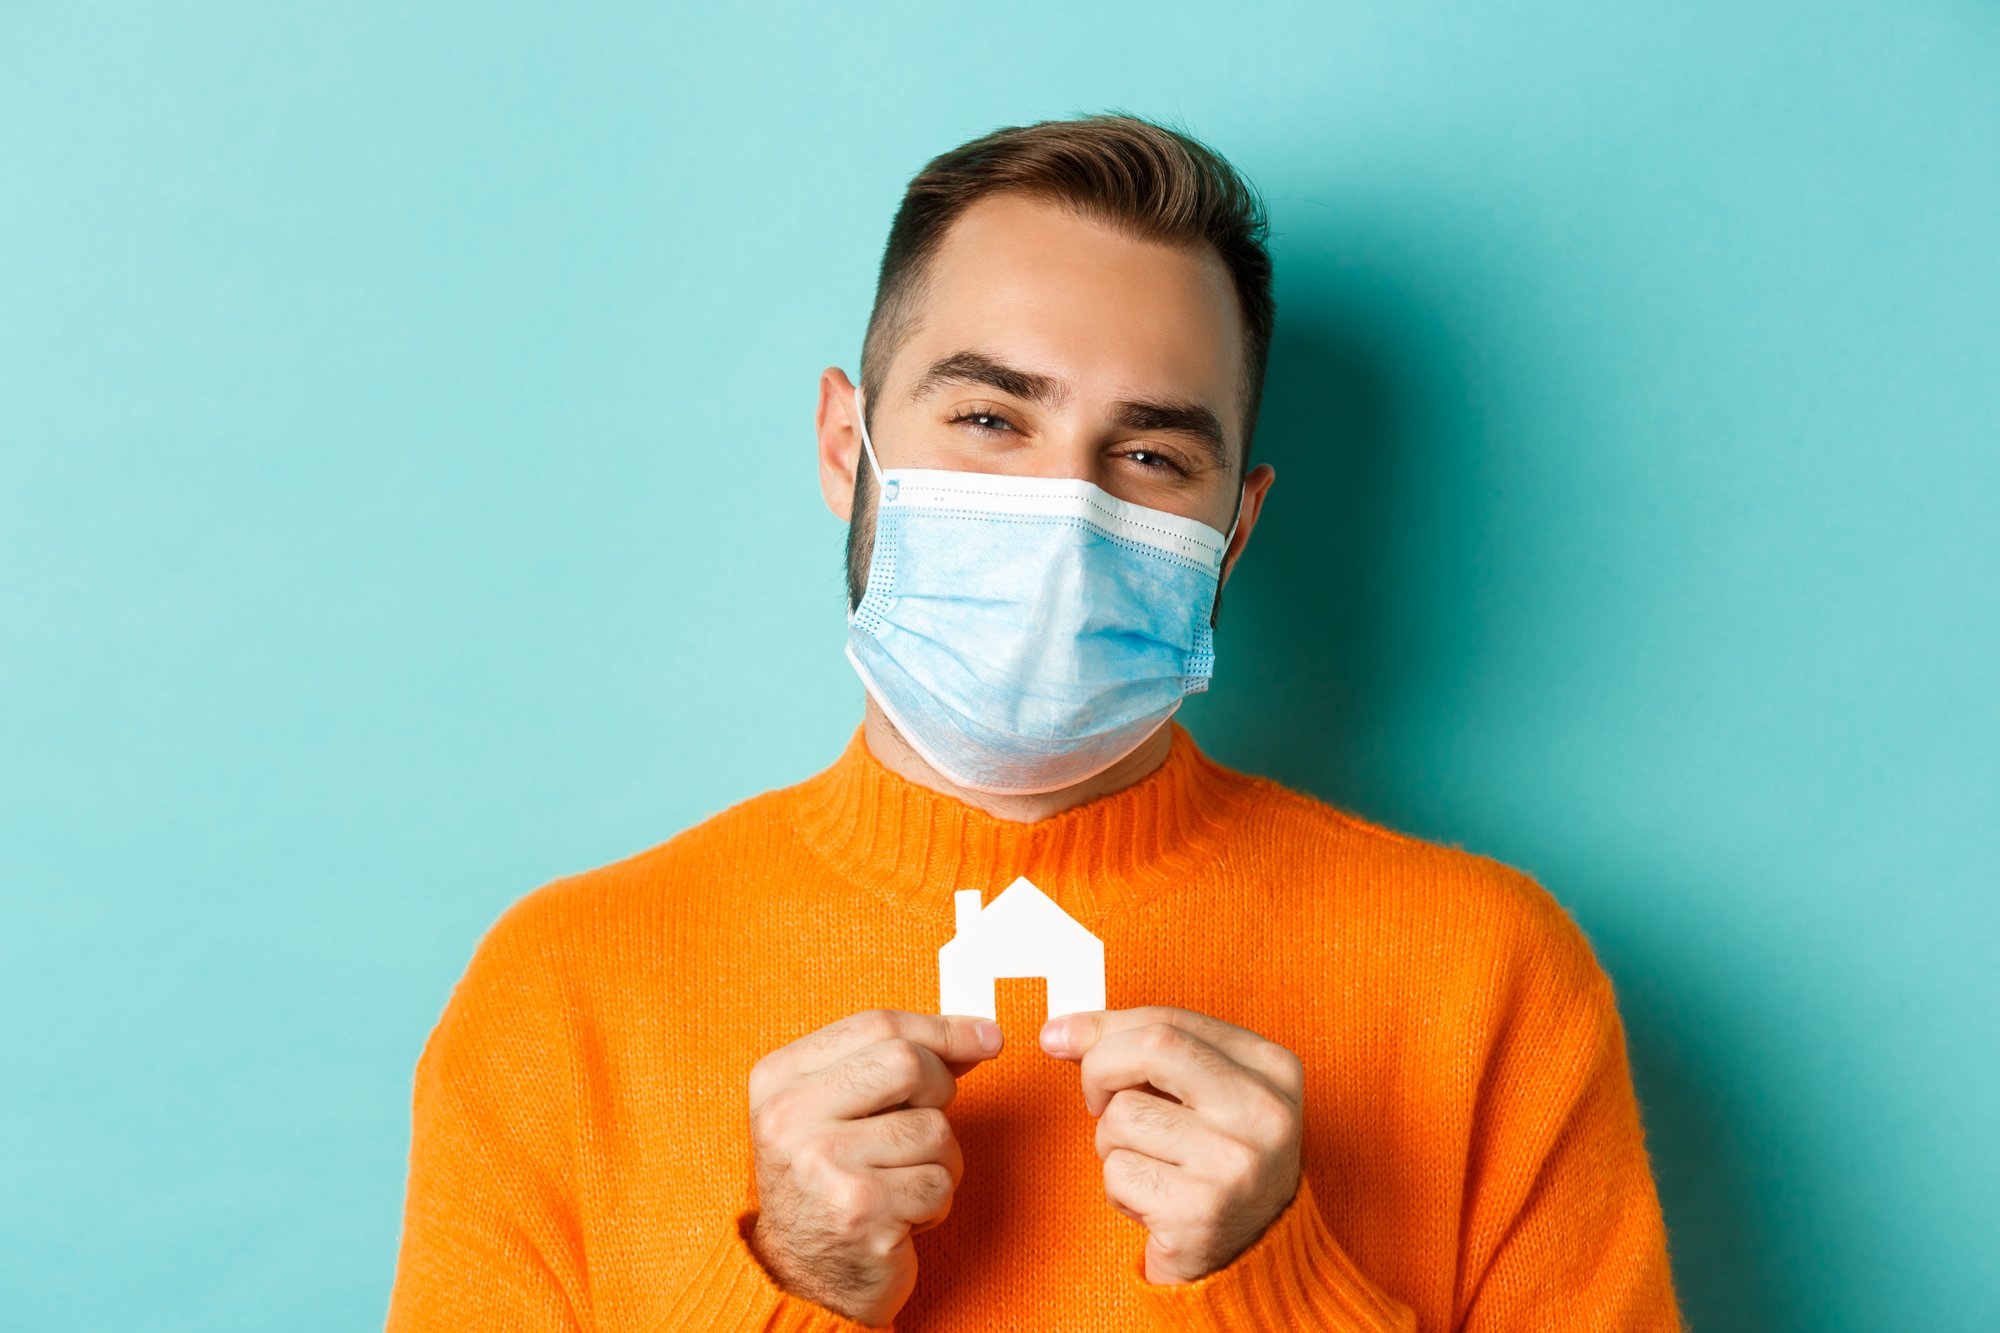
(861, 419)
(1242, 494)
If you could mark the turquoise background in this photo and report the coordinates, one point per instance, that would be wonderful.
(407, 496)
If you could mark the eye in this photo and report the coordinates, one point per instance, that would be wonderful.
(1153, 461)
(979, 414)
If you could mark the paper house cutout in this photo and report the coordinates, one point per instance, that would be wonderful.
(1021, 933)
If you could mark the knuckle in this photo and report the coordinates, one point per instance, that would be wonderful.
(902, 1061)
(1289, 1071)
(816, 1159)
(1238, 1160)
(1159, 1038)
(934, 1127)
(928, 1199)
(931, 1182)
(910, 1130)
(1092, 1064)
(851, 1203)
(939, 1029)
(1270, 1120)
(771, 1124)
(875, 1024)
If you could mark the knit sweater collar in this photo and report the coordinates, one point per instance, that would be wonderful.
(919, 846)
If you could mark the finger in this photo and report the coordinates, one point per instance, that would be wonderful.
(1173, 1060)
(955, 1038)
(918, 1196)
(1080, 1031)
(887, 1075)
(1137, 1185)
(969, 1041)
(1163, 1130)
(1275, 1063)
(910, 1136)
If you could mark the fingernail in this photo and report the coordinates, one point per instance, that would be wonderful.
(988, 1033)
(1055, 1034)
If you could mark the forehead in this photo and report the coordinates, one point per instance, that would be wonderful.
(1043, 288)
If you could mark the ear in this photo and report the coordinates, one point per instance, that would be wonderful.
(836, 422)
(1255, 487)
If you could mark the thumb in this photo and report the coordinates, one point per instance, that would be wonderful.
(963, 1041)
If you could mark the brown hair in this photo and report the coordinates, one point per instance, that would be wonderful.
(1142, 178)
(1155, 183)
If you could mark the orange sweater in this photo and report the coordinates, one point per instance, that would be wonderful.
(1473, 1157)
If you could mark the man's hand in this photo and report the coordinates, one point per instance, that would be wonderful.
(1206, 1166)
(853, 1153)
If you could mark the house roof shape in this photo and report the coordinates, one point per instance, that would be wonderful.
(1020, 909)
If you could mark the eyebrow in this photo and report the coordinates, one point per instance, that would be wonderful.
(1180, 415)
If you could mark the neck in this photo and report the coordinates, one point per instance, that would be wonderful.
(894, 753)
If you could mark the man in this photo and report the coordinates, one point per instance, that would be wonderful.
(1350, 1080)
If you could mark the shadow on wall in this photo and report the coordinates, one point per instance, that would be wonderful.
(1363, 605)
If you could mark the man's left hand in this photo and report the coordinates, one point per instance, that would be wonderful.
(1198, 1126)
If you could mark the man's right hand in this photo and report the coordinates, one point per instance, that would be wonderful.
(854, 1155)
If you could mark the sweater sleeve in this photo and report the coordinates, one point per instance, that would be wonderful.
(1295, 1276)
(476, 1251)
(732, 1290)
(1564, 1224)
(492, 1237)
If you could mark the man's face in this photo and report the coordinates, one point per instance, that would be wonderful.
(1052, 346)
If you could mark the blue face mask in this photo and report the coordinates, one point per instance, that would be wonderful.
(1026, 633)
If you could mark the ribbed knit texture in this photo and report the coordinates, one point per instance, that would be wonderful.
(1473, 1153)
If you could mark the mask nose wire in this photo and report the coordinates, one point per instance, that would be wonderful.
(861, 418)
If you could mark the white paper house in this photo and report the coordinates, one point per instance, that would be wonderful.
(1021, 933)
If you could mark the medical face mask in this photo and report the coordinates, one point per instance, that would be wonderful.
(1026, 633)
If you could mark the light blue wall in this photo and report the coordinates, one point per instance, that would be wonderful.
(407, 496)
